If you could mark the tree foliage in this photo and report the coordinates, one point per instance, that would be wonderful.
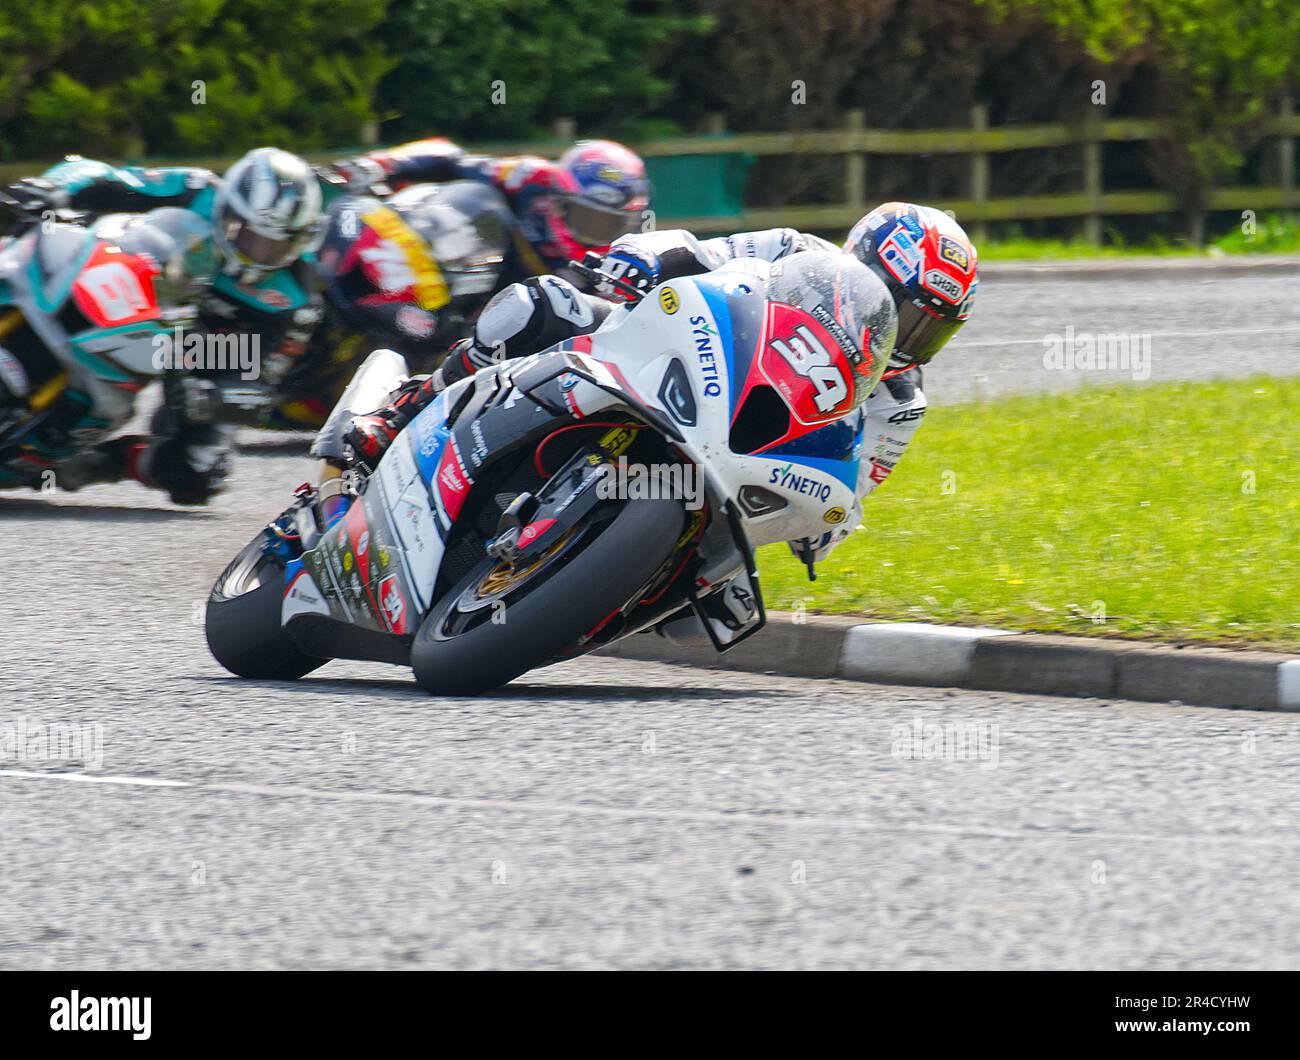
(125, 78)
(1214, 67)
(486, 69)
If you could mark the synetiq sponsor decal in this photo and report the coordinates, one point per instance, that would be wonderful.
(797, 482)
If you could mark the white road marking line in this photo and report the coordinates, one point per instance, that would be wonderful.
(91, 778)
(851, 824)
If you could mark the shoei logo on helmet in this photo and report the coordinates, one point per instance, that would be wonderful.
(806, 365)
(944, 285)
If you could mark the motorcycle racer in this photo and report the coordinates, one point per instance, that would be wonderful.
(261, 221)
(595, 193)
(61, 403)
(923, 257)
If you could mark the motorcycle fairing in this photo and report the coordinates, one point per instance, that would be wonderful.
(644, 341)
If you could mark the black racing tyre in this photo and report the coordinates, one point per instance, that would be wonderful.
(243, 621)
(609, 562)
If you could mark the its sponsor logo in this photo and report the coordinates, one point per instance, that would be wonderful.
(879, 472)
(451, 478)
(835, 515)
(841, 337)
(788, 479)
(668, 301)
(907, 415)
(912, 225)
(393, 604)
(901, 256)
(704, 335)
(533, 531)
(951, 250)
(421, 273)
(944, 285)
(362, 544)
(480, 451)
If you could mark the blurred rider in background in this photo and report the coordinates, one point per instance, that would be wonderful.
(596, 192)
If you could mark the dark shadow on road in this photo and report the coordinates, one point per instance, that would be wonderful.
(27, 508)
(407, 689)
(290, 445)
(597, 693)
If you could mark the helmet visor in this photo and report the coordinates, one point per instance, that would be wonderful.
(593, 225)
(263, 251)
(921, 334)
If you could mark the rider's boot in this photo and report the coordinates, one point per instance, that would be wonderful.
(370, 436)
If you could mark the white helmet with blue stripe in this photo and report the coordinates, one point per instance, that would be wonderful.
(267, 211)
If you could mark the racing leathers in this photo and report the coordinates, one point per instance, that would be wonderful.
(526, 182)
(273, 312)
(64, 432)
(531, 316)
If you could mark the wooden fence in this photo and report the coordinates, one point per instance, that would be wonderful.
(856, 143)
(1092, 203)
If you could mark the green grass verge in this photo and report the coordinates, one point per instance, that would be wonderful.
(1272, 235)
(1160, 511)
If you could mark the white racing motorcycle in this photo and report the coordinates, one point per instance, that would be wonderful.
(553, 504)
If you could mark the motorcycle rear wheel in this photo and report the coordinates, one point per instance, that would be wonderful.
(460, 651)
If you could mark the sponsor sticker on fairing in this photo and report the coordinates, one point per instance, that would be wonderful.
(787, 478)
(393, 604)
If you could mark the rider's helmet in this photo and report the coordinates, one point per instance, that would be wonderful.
(267, 211)
(602, 192)
(929, 265)
(838, 339)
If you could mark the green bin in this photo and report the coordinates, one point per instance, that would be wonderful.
(699, 185)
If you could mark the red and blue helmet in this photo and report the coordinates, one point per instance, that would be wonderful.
(929, 265)
(605, 192)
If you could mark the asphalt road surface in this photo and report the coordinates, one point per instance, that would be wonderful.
(602, 813)
(1189, 325)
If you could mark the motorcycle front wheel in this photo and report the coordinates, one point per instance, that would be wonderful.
(242, 621)
(497, 623)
